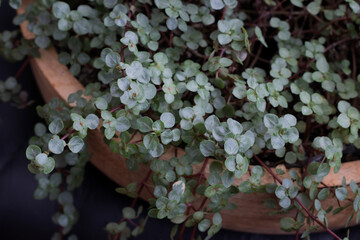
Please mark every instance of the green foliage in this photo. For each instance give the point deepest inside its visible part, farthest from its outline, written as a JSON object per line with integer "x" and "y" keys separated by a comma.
{"x": 220, "y": 79}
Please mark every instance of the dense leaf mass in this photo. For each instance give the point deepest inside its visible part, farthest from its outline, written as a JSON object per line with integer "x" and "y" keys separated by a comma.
{"x": 231, "y": 82}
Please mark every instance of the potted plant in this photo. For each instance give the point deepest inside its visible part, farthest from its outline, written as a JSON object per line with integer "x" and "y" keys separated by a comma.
{"x": 217, "y": 111}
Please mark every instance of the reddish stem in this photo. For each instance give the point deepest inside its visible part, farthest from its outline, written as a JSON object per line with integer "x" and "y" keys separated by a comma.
{"x": 201, "y": 174}
{"x": 183, "y": 225}
{"x": 170, "y": 39}
{"x": 297, "y": 199}
{"x": 22, "y": 67}
{"x": 117, "y": 108}
{"x": 68, "y": 134}
{"x": 142, "y": 184}
{"x": 193, "y": 233}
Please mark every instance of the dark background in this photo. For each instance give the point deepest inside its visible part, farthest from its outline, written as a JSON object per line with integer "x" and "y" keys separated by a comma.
{"x": 22, "y": 217}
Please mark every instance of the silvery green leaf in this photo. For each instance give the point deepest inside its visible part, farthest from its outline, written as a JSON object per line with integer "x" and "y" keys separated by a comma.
{"x": 217, "y": 4}
{"x": 353, "y": 113}
{"x": 63, "y": 220}
{"x": 112, "y": 59}
{"x": 211, "y": 123}
{"x": 231, "y": 146}
{"x": 261, "y": 104}
{"x": 132, "y": 37}
{"x": 158, "y": 126}
{"x": 92, "y": 121}
{"x": 167, "y": 136}
{"x": 204, "y": 225}
{"x": 86, "y": 11}
{"x": 128, "y": 213}
{"x": 75, "y": 69}
{"x": 160, "y": 191}
{"x": 260, "y": 36}
{"x": 176, "y": 134}
{"x": 42, "y": 41}
{"x": 277, "y": 142}
{"x": 64, "y": 58}
{"x": 234, "y": 126}
{"x": 355, "y": 7}
{"x": 161, "y": 58}
{"x": 219, "y": 133}
{"x": 134, "y": 70}
{"x": 150, "y": 92}
{"x": 341, "y": 193}
{"x": 290, "y": 157}
{"x": 230, "y": 163}
{"x": 171, "y": 23}
{"x": 314, "y": 7}
{"x": 306, "y": 110}
{"x": 323, "y": 194}
{"x": 60, "y": 9}
{"x": 274, "y": 22}
{"x": 293, "y": 191}
{"x": 297, "y": 3}
{"x": 202, "y": 79}
{"x": 110, "y": 3}
{"x": 56, "y": 126}
{"x": 270, "y": 120}
{"x": 285, "y": 202}
{"x": 290, "y": 135}
{"x": 288, "y": 120}
{"x": 123, "y": 84}
{"x": 328, "y": 85}
{"x": 82, "y": 26}
{"x": 32, "y": 151}
{"x": 246, "y": 141}
{"x": 224, "y": 39}
{"x": 158, "y": 151}
{"x": 343, "y": 106}
{"x": 168, "y": 119}
{"x": 207, "y": 148}
{"x": 227, "y": 178}
{"x": 305, "y": 97}
{"x": 56, "y": 145}
{"x": 192, "y": 86}
{"x": 323, "y": 170}
{"x": 162, "y": 4}
{"x": 144, "y": 124}
{"x": 49, "y": 165}
{"x": 239, "y": 91}
{"x": 83, "y": 58}
{"x": 343, "y": 120}
{"x": 15, "y": 4}
{"x": 41, "y": 159}
{"x": 225, "y": 62}
{"x": 122, "y": 124}
{"x": 10, "y": 83}
{"x": 109, "y": 133}
{"x": 101, "y": 103}
{"x": 217, "y": 219}
{"x": 280, "y": 152}
{"x": 76, "y": 144}
{"x": 280, "y": 192}
{"x": 287, "y": 183}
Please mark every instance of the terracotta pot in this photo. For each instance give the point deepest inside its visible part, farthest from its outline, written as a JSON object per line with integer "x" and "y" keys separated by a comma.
{"x": 55, "y": 80}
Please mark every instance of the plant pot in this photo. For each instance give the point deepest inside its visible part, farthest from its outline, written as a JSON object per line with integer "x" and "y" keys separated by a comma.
{"x": 55, "y": 80}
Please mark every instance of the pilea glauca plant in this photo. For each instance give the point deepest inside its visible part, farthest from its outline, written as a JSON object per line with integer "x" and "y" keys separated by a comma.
{"x": 242, "y": 86}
